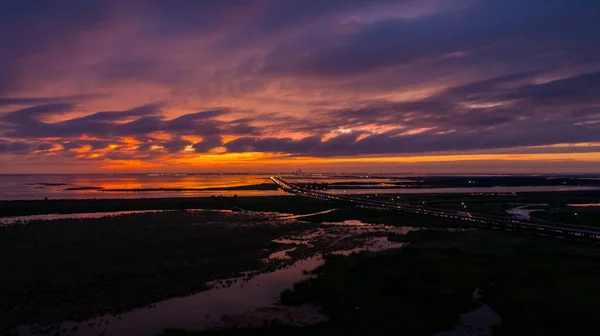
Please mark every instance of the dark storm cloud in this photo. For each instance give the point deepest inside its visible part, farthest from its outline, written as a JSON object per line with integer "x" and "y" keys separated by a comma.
{"x": 583, "y": 89}
{"x": 244, "y": 144}
{"x": 481, "y": 115}
{"x": 286, "y": 145}
{"x": 138, "y": 121}
{"x": 504, "y": 100}
{"x": 208, "y": 143}
{"x": 281, "y": 14}
{"x": 423, "y": 143}
{"x": 45, "y": 146}
{"x": 489, "y": 30}
{"x": 112, "y": 116}
{"x": 176, "y": 145}
{"x": 13, "y": 147}
{"x": 278, "y": 145}
{"x": 10, "y": 101}
{"x": 33, "y": 26}
{"x": 306, "y": 146}
{"x": 241, "y": 127}
{"x": 26, "y": 123}
{"x": 502, "y": 112}
{"x": 94, "y": 144}
{"x": 32, "y": 114}
{"x": 258, "y": 16}
{"x": 199, "y": 123}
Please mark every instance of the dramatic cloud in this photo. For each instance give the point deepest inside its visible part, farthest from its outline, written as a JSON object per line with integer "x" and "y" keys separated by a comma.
{"x": 13, "y": 147}
{"x": 180, "y": 83}
{"x": 209, "y": 142}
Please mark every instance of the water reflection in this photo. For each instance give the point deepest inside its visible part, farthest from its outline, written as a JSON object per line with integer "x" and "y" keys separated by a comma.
{"x": 249, "y": 300}
{"x": 17, "y": 219}
{"x": 477, "y": 322}
{"x": 85, "y": 215}
{"x": 375, "y": 244}
{"x": 200, "y": 311}
{"x": 279, "y": 255}
{"x": 24, "y": 187}
{"x": 291, "y": 216}
{"x": 523, "y": 210}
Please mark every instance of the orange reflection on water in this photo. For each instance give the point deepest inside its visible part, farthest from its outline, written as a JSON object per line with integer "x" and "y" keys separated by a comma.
{"x": 168, "y": 181}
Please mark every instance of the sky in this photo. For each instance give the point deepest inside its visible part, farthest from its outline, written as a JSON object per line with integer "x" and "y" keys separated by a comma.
{"x": 278, "y": 85}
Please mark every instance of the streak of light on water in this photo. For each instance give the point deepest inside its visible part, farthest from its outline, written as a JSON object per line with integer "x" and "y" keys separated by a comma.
{"x": 13, "y": 220}
{"x": 291, "y": 216}
{"x": 283, "y": 254}
{"x": 86, "y": 215}
{"x": 37, "y": 187}
{"x": 375, "y": 244}
{"x": 521, "y": 211}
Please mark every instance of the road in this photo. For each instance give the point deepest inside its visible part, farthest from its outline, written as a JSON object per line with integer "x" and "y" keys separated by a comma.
{"x": 484, "y": 220}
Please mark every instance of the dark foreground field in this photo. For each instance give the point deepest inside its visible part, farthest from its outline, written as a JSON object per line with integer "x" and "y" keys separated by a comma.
{"x": 553, "y": 206}
{"x": 285, "y": 204}
{"x": 76, "y": 269}
{"x": 570, "y": 207}
{"x": 537, "y": 285}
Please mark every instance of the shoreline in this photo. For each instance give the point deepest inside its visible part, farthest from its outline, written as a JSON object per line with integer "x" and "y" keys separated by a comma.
{"x": 279, "y": 202}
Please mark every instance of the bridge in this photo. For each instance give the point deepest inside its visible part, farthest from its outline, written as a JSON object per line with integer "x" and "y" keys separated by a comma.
{"x": 536, "y": 226}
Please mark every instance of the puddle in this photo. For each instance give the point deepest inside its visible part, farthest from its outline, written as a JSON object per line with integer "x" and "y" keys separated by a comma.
{"x": 523, "y": 211}
{"x": 373, "y": 245}
{"x": 291, "y": 216}
{"x": 478, "y": 322}
{"x": 290, "y": 241}
{"x": 367, "y": 227}
{"x": 280, "y": 255}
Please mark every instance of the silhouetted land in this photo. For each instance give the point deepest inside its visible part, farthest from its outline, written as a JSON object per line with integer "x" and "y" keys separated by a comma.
{"x": 75, "y": 269}
{"x": 483, "y": 203}
{"x": 553, "y": 206}
{"x": 538, "y": 286}
{"x": 84, "y": 188}
{"x": 283, "y": 204}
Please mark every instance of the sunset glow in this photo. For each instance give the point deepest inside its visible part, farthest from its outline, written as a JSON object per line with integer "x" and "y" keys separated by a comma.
{"x": 185, "y": 86}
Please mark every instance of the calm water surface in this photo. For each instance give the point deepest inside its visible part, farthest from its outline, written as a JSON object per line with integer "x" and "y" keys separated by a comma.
{"x": 28, "y": 187}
